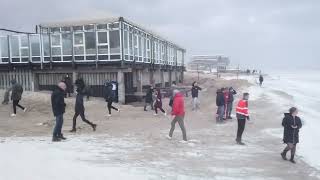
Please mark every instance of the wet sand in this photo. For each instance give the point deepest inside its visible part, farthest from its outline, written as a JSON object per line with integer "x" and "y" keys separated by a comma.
{"x": 135, "y": 139}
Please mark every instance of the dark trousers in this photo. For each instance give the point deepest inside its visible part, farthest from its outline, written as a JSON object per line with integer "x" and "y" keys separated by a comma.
{"x": 111, "y": 107}
{"x": 178, "y": 119}
{"x": 58, "y": 127}
{"x": 16, "y": 104}
{"x": 158, "y": 107}
{"x": 81, "y": 113}
{"x": 290, "y": 147}
{"x": 148, "y": 104}
{"x": 241, "y": 126}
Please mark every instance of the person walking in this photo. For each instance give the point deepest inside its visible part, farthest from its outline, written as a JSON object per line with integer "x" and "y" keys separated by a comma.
{"x": 242, "y": 117}
{"x": 58, "y": 109}
{"x": 291, "y": 124}
{"x": 79, "y": 110}
{"x": 232, "y": 92}
{"x": 178, "y": 113}
{"x": 261, "y": 80}
{"x": 148, "y": 99}
{"x": 195, "y": 93}
{"x": 109, "y": 98}
{"x": 68, "y": 82}
{"x": 226, "y": 100}
{"x": 220, "y": 105}
{"x": 16, "y": 95}
{"x": 158, "y": 103}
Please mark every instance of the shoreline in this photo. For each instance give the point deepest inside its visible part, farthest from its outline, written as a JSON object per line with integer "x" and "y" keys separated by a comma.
{"x": 139, "y": 142}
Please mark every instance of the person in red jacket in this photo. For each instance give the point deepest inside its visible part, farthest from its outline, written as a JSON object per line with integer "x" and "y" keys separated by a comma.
{"x": 178, "y": 112}
{"x": 242, "y": 116}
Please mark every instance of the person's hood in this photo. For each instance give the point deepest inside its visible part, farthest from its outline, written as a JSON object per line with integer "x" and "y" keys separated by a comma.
{"x": 287, "y": 115}
{"x": 57, "y": 88}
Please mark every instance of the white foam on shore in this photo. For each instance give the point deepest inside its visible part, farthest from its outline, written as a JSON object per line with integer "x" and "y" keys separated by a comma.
{"x": 298, "y": 89}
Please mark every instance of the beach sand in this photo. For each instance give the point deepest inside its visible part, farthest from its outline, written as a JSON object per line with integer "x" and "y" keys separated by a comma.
{"x": 132, "y": 144}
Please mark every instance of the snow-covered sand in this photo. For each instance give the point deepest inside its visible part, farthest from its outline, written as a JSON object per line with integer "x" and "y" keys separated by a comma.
{"x": 132, "y": 144}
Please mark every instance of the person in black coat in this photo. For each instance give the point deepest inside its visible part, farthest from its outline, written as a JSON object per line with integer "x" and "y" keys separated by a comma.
{"x": 68, "y": 82}
{"x": 149, "y": 99}
{"x": 220, "y": 102}
{"x": 58, "y": 108}
{"x": 291, "y": 124}
{"x": 79, "y": 110}
{"x": 16, "y": 95}
{"x": 260, "y": 80}
{"x": 109, "y": 98}
{"x": 195, "y": 96}
{"x": 232, "y": 92}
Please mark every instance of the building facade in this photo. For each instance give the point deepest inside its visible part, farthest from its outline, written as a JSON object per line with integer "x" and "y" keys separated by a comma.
{"x": 109, "y": 49}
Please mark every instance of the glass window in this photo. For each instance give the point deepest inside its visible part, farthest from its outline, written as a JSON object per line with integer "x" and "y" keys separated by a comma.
{"x": 56, "y": 51}
{"x": 89, "y": 27}
{"x": 35, "y": 45}
{"x": 46, "y": 45}
{"x": 24, "y": 41}
{"x": 55, "y": 40}
{"x": 67, "y": 44}
{"x": 102, "y": 26}
{"x": 103, "y": 49}
{"x": 15, "y": 51}
{"x": 25, "y": 52}
{"x": 79, "y": 50}
{"x": 66, "y": 29}
{"x": 130, "y": 43}
{"x": 78, "y": 39}
{"x": 125, "y": 42}
{"x": 90, "y": 42}
{"x": 4, "y": 47}
{"x": 55, "y": 29}
{"x": 114, "y": 25}
{"x": 77, "y": 28}
{"x": 114, "y": 42}
{"x": 136, "y": 45}
{"x": 102, "y": 37}
{"x": 140, "y": 46}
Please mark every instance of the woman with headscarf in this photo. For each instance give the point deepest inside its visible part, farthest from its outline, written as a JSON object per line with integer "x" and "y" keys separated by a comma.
{"x": 158, "y": 103}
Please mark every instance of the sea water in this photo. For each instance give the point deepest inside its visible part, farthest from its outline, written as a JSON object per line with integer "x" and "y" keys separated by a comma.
{"x": 298, "y": 88}
{"x": 304, "y": 88}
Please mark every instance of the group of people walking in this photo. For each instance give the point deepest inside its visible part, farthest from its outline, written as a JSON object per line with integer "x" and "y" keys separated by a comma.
{"x": 224, "y": 101}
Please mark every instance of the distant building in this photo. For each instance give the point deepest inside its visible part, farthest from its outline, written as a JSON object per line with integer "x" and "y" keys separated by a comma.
{"x": 207, "y": 63}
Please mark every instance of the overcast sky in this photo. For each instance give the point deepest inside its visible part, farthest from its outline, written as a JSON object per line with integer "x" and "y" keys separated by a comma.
{"x": 255, "y": 33}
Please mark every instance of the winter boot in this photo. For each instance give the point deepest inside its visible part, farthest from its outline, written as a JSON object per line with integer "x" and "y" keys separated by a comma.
{"x": 94, "y": 127}
{"x": 55, "y": 139}
{"x": 62, "y": 137}
{"x": 292, "y": 159}
{"x": 284, "y": 155}
{"x": 73, "y": 130}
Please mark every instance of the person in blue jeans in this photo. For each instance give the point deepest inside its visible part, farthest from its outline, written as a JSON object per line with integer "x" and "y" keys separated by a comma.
{"x": 58, "y": 108}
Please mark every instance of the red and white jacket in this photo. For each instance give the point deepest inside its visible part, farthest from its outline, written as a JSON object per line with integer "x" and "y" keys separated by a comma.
{"x": 242, "y": 109}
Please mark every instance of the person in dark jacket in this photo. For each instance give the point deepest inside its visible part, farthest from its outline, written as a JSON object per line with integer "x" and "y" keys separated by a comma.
{"x": 173, "y": 88}
{"x": 291, "y": 124}
{"x": 79, "y": 110}
{"x": 58, "y": 108}
{"x": 109, "y": 98}
{"x": 260, "y": 79}
{"x": 158, "y": 103}
{"x": 68, "y": 82}
{"x": 149, "y": 99}
{"x": 220, "y": 105}
{"x": 195, "y": 96}
{"x": 231, "y": 92}
{"x": 16, "y": 95}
